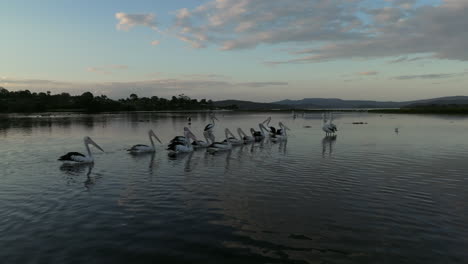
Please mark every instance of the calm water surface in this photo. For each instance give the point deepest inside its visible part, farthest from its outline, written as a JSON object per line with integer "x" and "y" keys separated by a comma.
{"x": 369, "y": 196}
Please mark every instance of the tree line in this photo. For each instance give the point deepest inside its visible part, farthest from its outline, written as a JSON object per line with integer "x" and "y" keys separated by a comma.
{"x": 26, "y": 101}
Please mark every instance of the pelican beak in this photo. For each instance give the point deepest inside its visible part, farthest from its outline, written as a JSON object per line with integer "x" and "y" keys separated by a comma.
{"x": 95, "y": 144}
{"x": 154, "y": 135}
{"x": 192, "y": 136}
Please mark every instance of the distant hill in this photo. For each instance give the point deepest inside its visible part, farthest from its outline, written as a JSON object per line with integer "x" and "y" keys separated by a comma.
{"x": 247, "y": 105}
{"x": 319, "y": 103}
{"x": 339, "y": 103}
{"x": 452, "y": 100}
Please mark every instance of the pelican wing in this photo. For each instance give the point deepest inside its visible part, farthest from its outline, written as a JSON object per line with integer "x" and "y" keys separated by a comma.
{"x": 137, "y": 147}
{"x": 209, "y": 127}
{"x": 71, "y": 156}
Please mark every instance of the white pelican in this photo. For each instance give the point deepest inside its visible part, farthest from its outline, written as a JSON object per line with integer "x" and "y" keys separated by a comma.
{"x": 81, "y": 158}
{"x": 280, "y": 133}
{"x": 232, "y": 139}
{"x": 181, "y": 144}
{"x": 210, "y": 126}
{"x": 244, "y": 137}
{"x": 140, "y": 148}
{"x": 332, "y": 126}
{"x": 225, "y": 145}
{"x": 326, "y": 126}
{"x": 203, "y": 144}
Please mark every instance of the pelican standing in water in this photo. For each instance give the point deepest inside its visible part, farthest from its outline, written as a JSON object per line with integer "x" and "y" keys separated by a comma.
{"x": 225, "y": 145}
{"x": 76, "y": 157}
{"x": 210, "y": 126}
{"x": 181, "y": 144}
{"x": 332, "y": 126}
{"x": 140, "y": 148}
{"x": 326, "y": 126}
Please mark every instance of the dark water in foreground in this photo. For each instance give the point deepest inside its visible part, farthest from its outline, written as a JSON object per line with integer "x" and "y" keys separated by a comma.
{"x": 370, "y": 196}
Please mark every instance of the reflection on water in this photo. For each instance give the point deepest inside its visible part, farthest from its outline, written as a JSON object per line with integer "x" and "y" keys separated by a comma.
{"x": 328, "y": 143}
{"x": 373, "y": 196}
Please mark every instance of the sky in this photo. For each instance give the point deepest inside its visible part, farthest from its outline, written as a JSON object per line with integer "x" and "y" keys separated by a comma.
{"x": 258, "y": 50}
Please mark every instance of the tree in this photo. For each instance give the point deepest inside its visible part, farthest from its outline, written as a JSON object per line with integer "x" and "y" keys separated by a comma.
{"x": 134, "y": 97}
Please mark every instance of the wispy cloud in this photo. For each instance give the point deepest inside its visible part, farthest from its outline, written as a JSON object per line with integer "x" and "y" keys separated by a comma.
{"x": 430, "y": 76}
{"x": 128, "y": 21}
{"x": 99, "y": 70}
{"x": 107, "y": 69}
{"x": 333, "y": 29}
{"x": 368, "y": 73}
{"x": 155, "y": 42}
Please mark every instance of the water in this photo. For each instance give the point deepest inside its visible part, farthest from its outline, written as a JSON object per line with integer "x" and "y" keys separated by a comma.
{"x": 369, "y": 196}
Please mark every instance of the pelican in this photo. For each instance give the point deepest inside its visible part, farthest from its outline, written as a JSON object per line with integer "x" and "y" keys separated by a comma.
{"x": 244, "y": 136}
{"x": 280, "y": 133}
{"x": 203, "y": 144}
{"x": 260, "y": 135}
{"x": 140, "y": 148}
{"x": 332, "y": 126}
{"x": 210, "y": 126}
{"x": 326, "y": 126}
{"x": 181, "y": 144}
{"x": 81, "y": 158}
{"x": 225, "y": 145}
{"x": 232, "y": 139}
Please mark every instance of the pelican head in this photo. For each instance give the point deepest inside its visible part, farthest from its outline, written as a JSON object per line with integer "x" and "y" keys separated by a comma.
{"x": 88, "y": 140}
{"x": 282, "y": 125}
{"x": 189, "y": 134}
{"x": 152, "y": 134}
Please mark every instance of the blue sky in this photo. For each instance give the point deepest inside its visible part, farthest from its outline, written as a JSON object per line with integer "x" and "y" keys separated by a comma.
{"x": 237, "y": 49}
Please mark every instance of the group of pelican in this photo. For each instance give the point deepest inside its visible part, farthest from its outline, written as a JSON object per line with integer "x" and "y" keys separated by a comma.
{"x": 188, "y": 142}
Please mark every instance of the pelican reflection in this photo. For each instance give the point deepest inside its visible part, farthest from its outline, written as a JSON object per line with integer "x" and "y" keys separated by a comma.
{"x": 327, "y": 143}
{"x": 77, "y": 169}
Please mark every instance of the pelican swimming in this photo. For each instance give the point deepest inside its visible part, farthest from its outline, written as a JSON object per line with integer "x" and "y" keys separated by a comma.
{"x": 209, "y": 138}
{"x": 225, "y": 145}
{"x": 280, "y": 133}
{"x": 244, "y": 137}
{"x": 232, "y": 139}
{"x": 326, "y": 126}
{"x": 181, "y": 144}
{"x": 210, "y": 126}
{"x": 140, "y": 148}
{"x": 81, "y": 158}
{"x": 260, "y": 135}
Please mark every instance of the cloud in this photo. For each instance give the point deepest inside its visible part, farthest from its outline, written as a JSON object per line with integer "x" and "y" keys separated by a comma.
{"x": 325, "y": 29}
{"x": 107, "y": 69}
{"x": 155, "y": 42}
{"x": 128, "y": 21}
{"x": 240, "y": 24}
{"x": 410, "y": 59}
{"x": 99, "y": 70}
{"x": 430, "y": 76}
{"x": 119, "y": 66}
{"x": 368, "y": 73}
